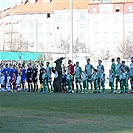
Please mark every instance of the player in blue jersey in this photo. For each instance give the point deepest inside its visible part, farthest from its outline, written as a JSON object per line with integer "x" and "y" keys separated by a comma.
{"x": 23, "y": 77}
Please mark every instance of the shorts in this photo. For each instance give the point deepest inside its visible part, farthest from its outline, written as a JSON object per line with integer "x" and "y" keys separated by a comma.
{"x": 34, "y": 80}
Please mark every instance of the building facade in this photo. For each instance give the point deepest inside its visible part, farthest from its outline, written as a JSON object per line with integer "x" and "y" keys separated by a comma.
{"x": 41, "y": 25}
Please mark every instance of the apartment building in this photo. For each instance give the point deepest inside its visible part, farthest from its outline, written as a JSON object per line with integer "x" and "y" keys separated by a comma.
{"x": 110, "y": 23}
{"x": 44, "y": 23}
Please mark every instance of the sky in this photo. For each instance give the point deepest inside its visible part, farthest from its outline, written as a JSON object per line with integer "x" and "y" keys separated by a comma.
{"x": 4, "y": 3}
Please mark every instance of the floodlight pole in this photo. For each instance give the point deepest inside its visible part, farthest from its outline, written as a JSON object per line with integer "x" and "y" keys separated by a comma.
{"x": 132, "y": 44}
{"x": 71, "y": 30}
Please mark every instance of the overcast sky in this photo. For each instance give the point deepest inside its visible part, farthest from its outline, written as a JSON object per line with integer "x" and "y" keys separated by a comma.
{"x": 4, "y": 3}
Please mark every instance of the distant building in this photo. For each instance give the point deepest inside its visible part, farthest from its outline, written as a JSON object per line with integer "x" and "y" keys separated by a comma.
{"x": 44, "y": 23}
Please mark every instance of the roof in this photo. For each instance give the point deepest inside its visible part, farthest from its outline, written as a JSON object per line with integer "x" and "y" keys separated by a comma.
{"x": 41, "y": 7}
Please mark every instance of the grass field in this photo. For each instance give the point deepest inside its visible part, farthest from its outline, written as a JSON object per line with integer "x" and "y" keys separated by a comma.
{"x": 66, "y": 113}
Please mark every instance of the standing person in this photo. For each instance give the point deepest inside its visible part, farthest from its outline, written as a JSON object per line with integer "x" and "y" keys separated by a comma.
{"x": 113, "y": 65}
{"x": 40, "y": 76}
{"x": 71, "y": 69}
{"x": 88, "y": 70}
{"x": 131, "y": 74}
{"x": 100, "y": 67}
{"x": 118, "y": 73}
{"x": 29, "y": 78}
{"x": 8, "y": 83}
{"x": 124, "y": 81}
{"x": 23, "y": 77}
{"x": 63, "y": 82}
{"x": 2, "y": 79}
{"x": 45, "y": 81}
{"x": 14, "y": 81}
{"x": 125, "y": 67}
{"x": 85, "y": 82}
{"x": 78, "y": 73}
{"x": 35, "y": 77}
{"x": 111, "y": 80}
{"x": 6, "y": 71}
{"x": 102, "y": 81}
{"x": 95, "y": 80}
{"x": 18, "y": 82}
{"x": 69, "y": 79}
{"x": 49, "y": 73}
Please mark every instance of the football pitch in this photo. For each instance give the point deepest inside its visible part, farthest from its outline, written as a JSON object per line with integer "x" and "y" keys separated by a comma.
{"x": 65, "y": 113}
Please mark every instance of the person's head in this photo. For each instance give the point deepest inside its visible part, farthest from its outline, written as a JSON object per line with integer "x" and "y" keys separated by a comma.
{"x": 88, "y": 61}
{"x": 113, "y": 60}
{"x": 18, "y": 74}
{"x": 69, "y": 61}
{"x": 99, "y": 62}
{"x": 6, "y": 65}
{"x": 132, "y": 59}
{"x": 123, "y": 63}
{"x": 77, "y": 63}
{"x": 14, "y": 66}
{"x": 110, "y": 71}
{"x": 118, "y": 59}
{"x": 47, "y": 63}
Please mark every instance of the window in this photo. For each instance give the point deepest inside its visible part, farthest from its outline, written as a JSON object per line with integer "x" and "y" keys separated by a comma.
{"x": 96, "y": 29}
{"x": 96, "y": 19}
{"x": 130, "y": 9}
{"x": 82, "y": 37}
{"x": 105, "y": 19}
{"x": 96, "y": 40}
{"x": 59, "y": 27}
{"x": 22, "y": 26}
{"x": 31, "y": 25}
{"x": 105, "y": 29}
{"x": 105, "y": 9}
{"x": 48, "y": 15}
{"x": 49, "y": 25}
{"x": 23, "y": 16}
{"x": 59, "y": 17}
{"x": 39, "y": 25}
{"x": 130, "y": 29}
{"x": 106, "y": 40}
{"x": 49, "y": 35}
{"x": 94, "y": 10}
{"x": 115, "y": 40}
{"x": 40, "y": 16}
{"x": 31, "y": 35}
{"x": 130, "y": 18}
{"x": 82, "y": 26}
{"x": 32, "y": 16}
{"x": 82, "y": 16}
{"x": 40, "y": 35}
{"x": 117, "y": 9}
{"x": 40, "y": 45}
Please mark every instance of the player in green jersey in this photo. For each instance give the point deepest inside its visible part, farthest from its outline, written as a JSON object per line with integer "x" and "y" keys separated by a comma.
{"x": 77, "y": 74}
{"x": 88, "y": 71}
{"x": 100, "y": 67}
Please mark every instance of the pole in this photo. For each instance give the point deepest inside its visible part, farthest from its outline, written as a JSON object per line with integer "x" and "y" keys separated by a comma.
{"x": 132, "y": 44}
{"x": 71, "y": 30}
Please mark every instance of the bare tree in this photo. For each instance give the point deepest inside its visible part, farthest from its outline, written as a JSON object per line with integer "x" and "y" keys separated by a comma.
{"x": 104, "y": 54}
{"x": 14, "y": 41}
{"x": 125, "y": 48}
{"x": 78, "y": 47}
